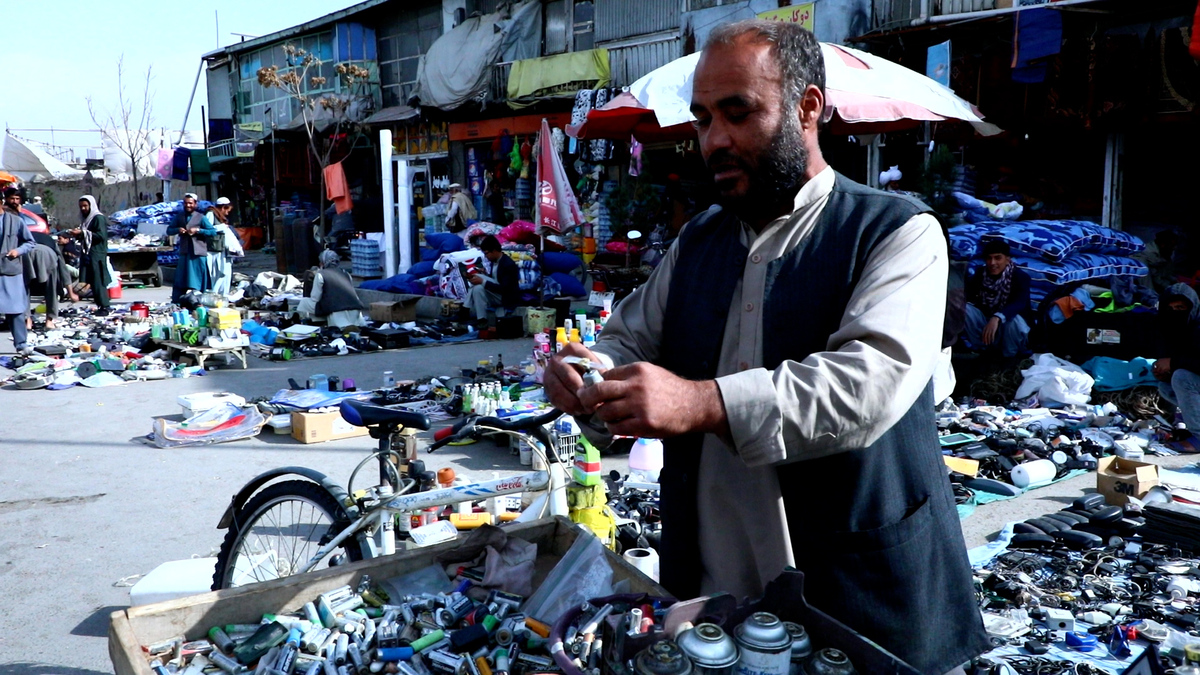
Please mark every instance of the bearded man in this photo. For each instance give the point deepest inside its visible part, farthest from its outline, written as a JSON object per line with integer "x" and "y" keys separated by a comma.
{"x": 784, "y": 350}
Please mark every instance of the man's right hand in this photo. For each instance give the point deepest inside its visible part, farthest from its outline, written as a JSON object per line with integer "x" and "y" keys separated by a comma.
{"x": 563, "y": 381}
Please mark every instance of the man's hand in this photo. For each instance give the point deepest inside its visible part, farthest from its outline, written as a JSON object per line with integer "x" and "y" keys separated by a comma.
{"x": 183, "y": 230}
{"x": 1162, "y": 369}
{"x": 990, "y": 330}
{"x": 12, "y": 254}
{"x": 645, "y": 400}
{"x": 563, "y": 382}
{"x": 475, "y": 280}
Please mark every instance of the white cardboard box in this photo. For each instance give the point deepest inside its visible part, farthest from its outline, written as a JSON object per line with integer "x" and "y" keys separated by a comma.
{"x": 194, "y": 404}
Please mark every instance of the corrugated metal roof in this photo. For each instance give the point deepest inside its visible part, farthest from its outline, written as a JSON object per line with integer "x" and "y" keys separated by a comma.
{"x": 298, "y": 29}
{"x": 617, "y": 19}
{"x": 632, "y": 62}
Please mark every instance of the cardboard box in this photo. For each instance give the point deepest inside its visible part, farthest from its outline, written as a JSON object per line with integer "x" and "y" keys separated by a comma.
{"x": 1118, "y": 479}
{"x": 132, "y": 627}
{"x": 310, "y": 427}
{"x": 401, "y": 311}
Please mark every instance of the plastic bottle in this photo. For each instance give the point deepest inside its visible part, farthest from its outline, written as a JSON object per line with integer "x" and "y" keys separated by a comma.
{"x": 389, "y": 380}
{"x": 646, "y": 459}
{"x": 560, "y": 339}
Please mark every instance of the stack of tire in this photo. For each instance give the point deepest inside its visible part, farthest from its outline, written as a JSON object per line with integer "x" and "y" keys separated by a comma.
{"x": 1088, "y": 523}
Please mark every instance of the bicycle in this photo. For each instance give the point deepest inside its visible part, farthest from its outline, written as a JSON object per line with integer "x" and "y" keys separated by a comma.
{"x": 273, "y": 529}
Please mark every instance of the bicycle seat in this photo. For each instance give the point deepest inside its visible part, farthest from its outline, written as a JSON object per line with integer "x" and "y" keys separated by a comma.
{"x": 366, "y": 415}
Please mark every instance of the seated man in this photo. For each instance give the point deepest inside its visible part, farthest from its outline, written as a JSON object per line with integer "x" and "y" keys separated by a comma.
{"x": 1179, "y": 368}
{"x": 329, "y": 294}
{"x": 498, "y": 286}
{"x": 998, "y": 303}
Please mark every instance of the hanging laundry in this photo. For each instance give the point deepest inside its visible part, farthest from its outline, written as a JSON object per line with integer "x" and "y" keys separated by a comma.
{"x": 336, "y": 189}
{"x": 601, "y": 150}
{"x": 201, "y": 171}
{"x": 179, "y": 164}
{"x": 164, "y": 164}
{"x": 583, "y": 105}
{"x": 1037, "y": 36}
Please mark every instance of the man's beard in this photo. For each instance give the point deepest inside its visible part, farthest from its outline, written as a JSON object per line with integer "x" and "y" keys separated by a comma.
{"x": 780, "y": 173}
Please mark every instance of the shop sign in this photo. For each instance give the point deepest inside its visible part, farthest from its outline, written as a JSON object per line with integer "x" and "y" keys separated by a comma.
{"x": 801, "y": 14}
{"x": 246, "y": 137}
{"x": 422, "y": 139}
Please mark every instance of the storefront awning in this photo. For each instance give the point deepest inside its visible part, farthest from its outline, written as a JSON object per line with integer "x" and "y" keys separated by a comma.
{"x": 396, "y": 113}
{"x": 557, "y": 76}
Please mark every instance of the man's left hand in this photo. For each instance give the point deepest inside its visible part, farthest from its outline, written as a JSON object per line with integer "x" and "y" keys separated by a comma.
{"x": 13, "y": 254}
{"x": 475, "y": 280}
{"x": 645, "y": 400}
{"x": 990, "y": 330}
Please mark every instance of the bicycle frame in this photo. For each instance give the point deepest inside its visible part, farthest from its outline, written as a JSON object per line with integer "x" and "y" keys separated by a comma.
{"x": 384, "y": 543}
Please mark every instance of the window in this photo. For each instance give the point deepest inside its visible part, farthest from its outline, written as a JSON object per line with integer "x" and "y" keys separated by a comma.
{"x": 583, "y": 26}
{"x": 693, "y": 5}
{"x": 407, "y": 36}
{"x": 253, "y": 100}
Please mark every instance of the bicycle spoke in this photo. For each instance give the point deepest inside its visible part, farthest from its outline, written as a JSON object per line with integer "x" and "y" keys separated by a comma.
{"x": 283, "y": 532}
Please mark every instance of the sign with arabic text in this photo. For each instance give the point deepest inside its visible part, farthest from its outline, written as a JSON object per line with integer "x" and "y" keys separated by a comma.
{"x": 801, "y": 14}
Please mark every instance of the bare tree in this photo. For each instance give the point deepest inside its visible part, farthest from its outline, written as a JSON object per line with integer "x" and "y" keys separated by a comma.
{"x": 128, "y": 125}
{"x": 328, "y": 111}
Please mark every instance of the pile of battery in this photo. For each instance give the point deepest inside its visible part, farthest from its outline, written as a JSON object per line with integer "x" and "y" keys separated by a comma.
{"x": 355, "y": 632}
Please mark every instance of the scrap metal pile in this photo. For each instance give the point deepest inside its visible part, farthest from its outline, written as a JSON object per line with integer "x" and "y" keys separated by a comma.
{"x": 1082, "y": 590}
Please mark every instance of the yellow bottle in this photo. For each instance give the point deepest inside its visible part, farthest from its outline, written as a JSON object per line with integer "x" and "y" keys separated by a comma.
{"x": 574, "y": 335}
{"x": 560, "y": 339}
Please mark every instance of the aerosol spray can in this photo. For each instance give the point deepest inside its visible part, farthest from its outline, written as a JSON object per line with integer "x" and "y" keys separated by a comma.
{"x": 662, "y": 658}
{"x": 765, "y": 644}
{"x": 829, "y": 662}
{"x": 801, "y": 647}
{"x": 711, "y": 650}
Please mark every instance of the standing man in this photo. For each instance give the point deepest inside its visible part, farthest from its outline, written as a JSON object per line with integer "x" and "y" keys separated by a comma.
{"x": 191, "y": 272}
{"x": 92, "y": 234}
{"x": 998, "y": 303}
{"x": 462, "y": 209}
{"x": 498, "y": 286}
{"x": 784, "y": 350}
{"x": 15, "y": 242}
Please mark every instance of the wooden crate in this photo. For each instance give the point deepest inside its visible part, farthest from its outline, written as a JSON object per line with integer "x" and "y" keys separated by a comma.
{"x": 191, "y": 617}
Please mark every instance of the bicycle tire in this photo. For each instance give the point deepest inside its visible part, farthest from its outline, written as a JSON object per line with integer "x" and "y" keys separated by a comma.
{"x": 253, "y": 512}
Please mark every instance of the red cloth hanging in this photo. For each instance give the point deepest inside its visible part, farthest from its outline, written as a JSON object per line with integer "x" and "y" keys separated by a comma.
{"x": 336, "y": 189}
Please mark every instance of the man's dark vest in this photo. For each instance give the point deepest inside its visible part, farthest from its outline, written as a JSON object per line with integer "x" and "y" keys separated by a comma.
{"x": 875, "y": 530}
{"x": 337, "y": 293}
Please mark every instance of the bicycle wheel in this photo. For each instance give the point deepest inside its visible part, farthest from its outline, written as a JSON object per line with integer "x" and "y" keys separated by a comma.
{"x": 276, "y": 533}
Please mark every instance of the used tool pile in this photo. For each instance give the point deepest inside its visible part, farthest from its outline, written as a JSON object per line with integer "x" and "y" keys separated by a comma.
{"x": 1084, "y": 589}
{"x": 1002, "y": 452}
{"x": 471, "y": 630}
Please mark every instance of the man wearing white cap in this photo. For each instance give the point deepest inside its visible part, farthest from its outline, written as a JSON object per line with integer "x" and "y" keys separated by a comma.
{"x": 223, "y": 246}
{"x": 461, "y": 209}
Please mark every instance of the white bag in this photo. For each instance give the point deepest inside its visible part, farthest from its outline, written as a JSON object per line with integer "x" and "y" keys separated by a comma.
{"x": 1056, "y": 381}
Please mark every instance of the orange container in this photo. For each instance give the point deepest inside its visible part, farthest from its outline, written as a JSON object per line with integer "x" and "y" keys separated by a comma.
{"x": 114, "y": 293}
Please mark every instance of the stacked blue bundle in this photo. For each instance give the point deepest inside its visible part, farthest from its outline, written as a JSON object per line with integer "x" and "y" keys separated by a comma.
{"x": 364, "y": 258}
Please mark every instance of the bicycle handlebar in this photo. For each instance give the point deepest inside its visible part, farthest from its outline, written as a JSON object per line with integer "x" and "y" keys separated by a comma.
{"x": 468, "y": 426}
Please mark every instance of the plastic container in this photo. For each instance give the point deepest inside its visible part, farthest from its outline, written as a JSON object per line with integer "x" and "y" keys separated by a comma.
{"x": 114, "y": 292}
{"x": 171, "y": 580}
{"x": 646, "y": 459}
{"x": 320, "y": 382}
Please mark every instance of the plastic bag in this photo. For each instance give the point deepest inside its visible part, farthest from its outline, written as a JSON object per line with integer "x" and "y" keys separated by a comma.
{"x": 1056, "y": 381}
{"x": 431, "y": 580}
{"x": 223, "y": 423}
{"x": 582, "y": 574}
